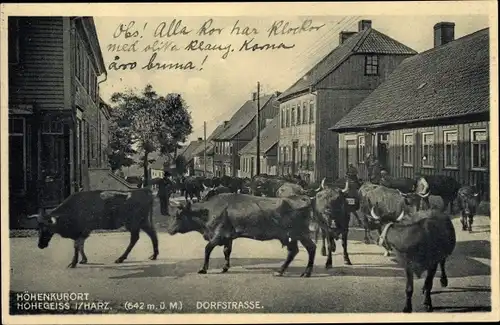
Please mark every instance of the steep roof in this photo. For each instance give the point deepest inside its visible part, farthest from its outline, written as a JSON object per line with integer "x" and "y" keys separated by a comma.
{"x": 268, "y": 138}
{"x": 451, "y": 80}
{"x": 366, "y": 41}
{"x": 188, "y": 152}
{"x": 210, "y": 144}
{"x": 244, "y": 116}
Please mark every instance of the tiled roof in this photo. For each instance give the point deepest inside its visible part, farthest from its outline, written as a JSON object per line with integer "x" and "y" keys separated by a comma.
{"x": 448, "y": 81}
{"x": 268, "y": 138}
{"x": 210, "y": 144}
{"x": 366, "y": 41}
{"x": 244, "y": 116}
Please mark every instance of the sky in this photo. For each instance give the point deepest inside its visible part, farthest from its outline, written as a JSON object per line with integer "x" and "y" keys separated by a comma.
{"x": 218, "y": 85}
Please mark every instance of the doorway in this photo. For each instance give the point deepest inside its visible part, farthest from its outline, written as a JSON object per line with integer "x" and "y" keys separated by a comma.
{"x": 383, "y": 150}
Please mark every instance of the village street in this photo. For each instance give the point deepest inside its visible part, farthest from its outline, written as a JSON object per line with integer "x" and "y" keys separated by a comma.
{"x": 372, "y": 284}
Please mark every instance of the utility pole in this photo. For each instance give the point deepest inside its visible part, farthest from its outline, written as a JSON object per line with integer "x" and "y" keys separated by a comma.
{"x": 205, "y": 151}
{"x": 257, "y": 172}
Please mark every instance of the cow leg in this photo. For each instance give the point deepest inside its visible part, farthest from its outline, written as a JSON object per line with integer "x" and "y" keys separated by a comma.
{"x": 347, "y": 261}
{"x": 134, "y": 237}
{"x": 148, "y": 229}
{"x": 409, "y": 290}
{"x": 311, "y": 250}
{"x": 444, "y": 278}
{"x": 208, "y": 250}
{"x": 358, "y": 219}
{"x": 74, "y": 261}
{"x": 293, "y": 250}
{"x": 331, "y": 248}
{"x": 323, "y": 245}
{"x": 228, "y": 246}
{"x": 463, "y": 220}
{"x": 428, "y": 287}
{"x": 81, "y": 244}
{"x": 469, "y": 226}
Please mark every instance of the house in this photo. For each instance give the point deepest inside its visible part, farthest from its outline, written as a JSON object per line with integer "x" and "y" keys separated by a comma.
{"x": 200, "y": 155}
{"x": 54, "y": 109}
{"x": 239, "y": 131}
{"x": 189, "y": 154}
{"x": 430, "y": 116}
{"x": 335, "y": 85}
{"x": 268, "y": 151}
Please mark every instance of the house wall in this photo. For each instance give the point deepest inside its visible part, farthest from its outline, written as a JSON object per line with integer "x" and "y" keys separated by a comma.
{"x": 304, "y": 134}
{"x": 463, "y": 172}
{"x": 333, "y": 97}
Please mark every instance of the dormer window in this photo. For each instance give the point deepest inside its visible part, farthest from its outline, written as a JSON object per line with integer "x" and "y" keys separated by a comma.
{"x": 371, "y": 65}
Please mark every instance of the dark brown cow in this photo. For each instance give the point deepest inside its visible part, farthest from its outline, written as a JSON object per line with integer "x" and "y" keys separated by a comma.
{"x": 421, "y": 243}
{"x": 333, "y": 219}
{"x": 225, "y": 217}
{"x": 439, "y": 185}
{"x": 83, "y": 212}
{"x": 468, "y": 202}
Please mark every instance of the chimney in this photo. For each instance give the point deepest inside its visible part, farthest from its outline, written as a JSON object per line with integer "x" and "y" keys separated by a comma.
{"x": 344, "y": 35}
{"x": 225, "y": 123}
{"x": 444, "y": 32}
{"x": 277, "y": 93}
{"x": 200, "y": 139}
{"x": 364, "y": 24}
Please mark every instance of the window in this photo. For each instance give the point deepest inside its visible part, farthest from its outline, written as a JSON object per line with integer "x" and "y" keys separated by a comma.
{"x": 371, "y": 65}
{"x": 54, "y": 126}
{"x": 304, "y": 113}
{"x": 282, "y": 155}
{"x": 311, "y": 112}
{"x": 283, "y": 118}
{"x": 287, "y": 115}
{"x": 17, "y": 155}
{"x": 450, "y": 149}
{"x": 230, "y": 144}
{"x": 479, "y": 148}
{"x": 428, "y": 149}
{"x": 408, "y": 149}
{"x": 298, "y": 114}
{"x": 293, "y": 115}
{"x": 361, "y": 148}
{"x": 13, "y": 40}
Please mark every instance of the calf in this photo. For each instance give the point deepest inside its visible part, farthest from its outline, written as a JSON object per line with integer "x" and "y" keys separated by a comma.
{"x": 83, "y": 212}
{"x": 420, "y": 245}
{"x": 468, "y": 201}
{"x": 228, "y": 216}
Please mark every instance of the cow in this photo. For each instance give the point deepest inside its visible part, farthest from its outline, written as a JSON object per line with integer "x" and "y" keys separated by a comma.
{"x": 404, "y": 184}
{"x": 193, "y": 186}
{"x": 468, "y": 201}
{"x": 215, "y": 191}
{"x": 427, "y": 238}
{"x": 82, "y": 212}
{"x": 440, "y": 185}
{"x": 228, "y": 216}
{"x": 332, "y": 217}
{"x": 391, "y": 202}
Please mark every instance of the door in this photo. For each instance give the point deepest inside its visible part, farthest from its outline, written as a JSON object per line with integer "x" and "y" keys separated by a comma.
{"x": 351, "y": 153}
{"x": 53, "y": 169}
{"x": 383, "y": 150}
{"x": 295, "y": 151}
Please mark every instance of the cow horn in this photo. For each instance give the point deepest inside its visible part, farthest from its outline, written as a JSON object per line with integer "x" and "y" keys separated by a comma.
{"x": 205, "y": 187}
{"x": 346, "y": 187}
{"x": 476, "y": 194}
{"x": 372, "y": 212}
{"x": 402, "y": 194}
{"x": 424, "y": 195}
{"x": 401, "y": 216}
{"x": 32, "y": 216}
{"x": 54, "y": 220}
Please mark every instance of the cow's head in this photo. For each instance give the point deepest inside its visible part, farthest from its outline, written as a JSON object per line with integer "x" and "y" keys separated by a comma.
{"x": 469, "y": 200}
{"x": 378, "y": 216}
{"x": 186, "y": 219}
{"x": 47, "y": 225}
{"x": 411, "y": 199}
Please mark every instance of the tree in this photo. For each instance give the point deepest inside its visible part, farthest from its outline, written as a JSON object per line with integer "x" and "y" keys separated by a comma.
{"x": 151, "y": 122}
{"x": 180, "y": 165}
{"x": 120, "y": 143}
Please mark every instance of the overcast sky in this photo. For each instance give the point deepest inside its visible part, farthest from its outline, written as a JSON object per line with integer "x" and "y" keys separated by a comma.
{"x": 216, "y": 91}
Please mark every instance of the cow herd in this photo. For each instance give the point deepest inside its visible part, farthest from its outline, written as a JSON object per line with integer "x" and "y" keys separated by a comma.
{"x": 285, "y": 209}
